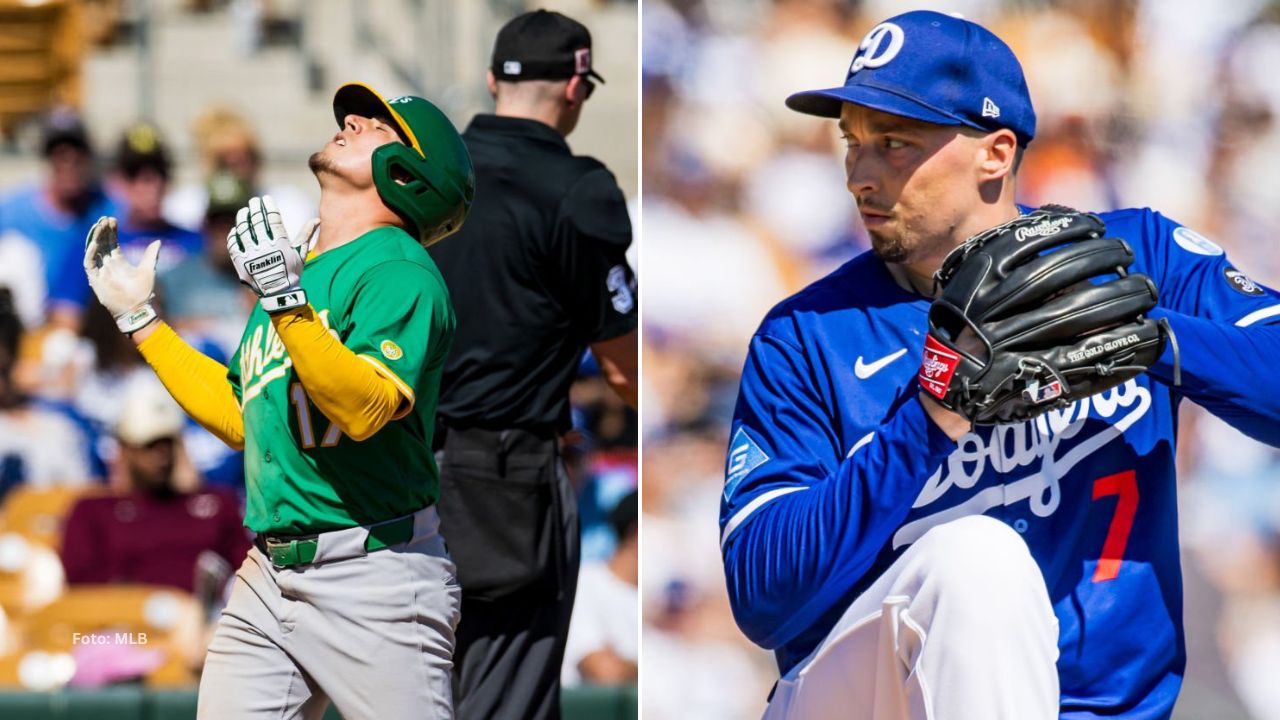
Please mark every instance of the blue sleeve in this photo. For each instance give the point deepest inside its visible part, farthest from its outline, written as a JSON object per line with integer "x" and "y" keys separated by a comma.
{"x": 1226, "y": 328}
{"x": 71, "y": 288}
{"x": 802, "y": 520}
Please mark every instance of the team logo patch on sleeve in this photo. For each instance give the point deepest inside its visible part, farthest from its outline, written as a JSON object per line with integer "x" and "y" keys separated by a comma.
{"x": 621, "y": 295}
{"x": 390, "y": 350}
{"x": 745, "y": 455}
{"x": 1194, "y": 242}
{"x": 1241, "y": 283}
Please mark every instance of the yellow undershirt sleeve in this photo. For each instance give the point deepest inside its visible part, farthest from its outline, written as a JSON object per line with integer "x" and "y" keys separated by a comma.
{"x": 198, "y": 382}
{"x": 355, "y": 392}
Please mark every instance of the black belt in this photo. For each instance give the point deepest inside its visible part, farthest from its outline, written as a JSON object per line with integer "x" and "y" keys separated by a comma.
{"x": 489, "y": 434}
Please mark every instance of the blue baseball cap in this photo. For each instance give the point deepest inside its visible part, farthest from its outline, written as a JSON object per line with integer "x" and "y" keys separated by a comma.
{"x": 936, "y": 68}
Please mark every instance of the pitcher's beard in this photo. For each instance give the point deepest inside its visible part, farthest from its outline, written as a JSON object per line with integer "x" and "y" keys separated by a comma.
{"x": 890, "y": 250}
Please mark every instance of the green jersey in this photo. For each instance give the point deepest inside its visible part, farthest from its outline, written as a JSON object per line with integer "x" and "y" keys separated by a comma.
{"x": 383, "y": 297}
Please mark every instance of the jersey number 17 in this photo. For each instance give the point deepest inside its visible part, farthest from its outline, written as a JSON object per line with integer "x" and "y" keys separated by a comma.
{"x": 298, "y": 396}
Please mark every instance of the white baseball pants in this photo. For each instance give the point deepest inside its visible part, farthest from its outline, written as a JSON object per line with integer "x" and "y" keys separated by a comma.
{"x": 371, "y": 632}
{"x": 960, "y": 627}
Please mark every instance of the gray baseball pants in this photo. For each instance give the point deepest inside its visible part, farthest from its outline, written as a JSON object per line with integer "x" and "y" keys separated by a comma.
{"x": 372, "y": 632}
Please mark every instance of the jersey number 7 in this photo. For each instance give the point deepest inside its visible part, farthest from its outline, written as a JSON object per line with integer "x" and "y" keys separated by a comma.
{"x": 1125, "y": 485}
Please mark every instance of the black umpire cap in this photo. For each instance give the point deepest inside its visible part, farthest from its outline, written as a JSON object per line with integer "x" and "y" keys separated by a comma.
{"x": 542, "y": 45}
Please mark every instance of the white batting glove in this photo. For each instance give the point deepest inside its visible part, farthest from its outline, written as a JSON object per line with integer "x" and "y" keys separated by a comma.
{"x": 265, "y": 259}
{"x": 124, "y": 290}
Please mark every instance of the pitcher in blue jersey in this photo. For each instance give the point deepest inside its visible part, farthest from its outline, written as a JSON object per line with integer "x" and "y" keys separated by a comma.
{"x": 901, "y": 563}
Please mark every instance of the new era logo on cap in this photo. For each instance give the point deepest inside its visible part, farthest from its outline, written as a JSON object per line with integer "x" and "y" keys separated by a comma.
{"x": 990, "y": 109}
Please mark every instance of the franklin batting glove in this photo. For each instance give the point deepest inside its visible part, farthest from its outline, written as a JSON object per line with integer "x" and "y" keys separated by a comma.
{"x": 265, "y": 259}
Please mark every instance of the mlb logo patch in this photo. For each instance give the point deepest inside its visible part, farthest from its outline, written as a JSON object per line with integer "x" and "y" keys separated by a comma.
{"x": 512, "y": 67}
{"x": 582, "y": 61}
{"x": 1039, "y": 395}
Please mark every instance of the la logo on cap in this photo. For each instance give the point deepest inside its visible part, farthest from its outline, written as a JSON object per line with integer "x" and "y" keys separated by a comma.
{"x": 874, "y": 51}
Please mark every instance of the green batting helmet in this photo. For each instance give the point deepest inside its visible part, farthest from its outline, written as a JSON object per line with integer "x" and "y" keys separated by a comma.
{"x": 428, "y": 181}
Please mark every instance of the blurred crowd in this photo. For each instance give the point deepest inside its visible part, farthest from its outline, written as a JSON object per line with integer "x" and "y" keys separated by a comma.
{"x": 146, "y": 496}
{"x": 106, "y": 485}
{"x": 1171, "y": 104}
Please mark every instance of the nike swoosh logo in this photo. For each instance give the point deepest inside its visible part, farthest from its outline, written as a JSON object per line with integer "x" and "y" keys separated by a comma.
{"x": 866, "y": 370}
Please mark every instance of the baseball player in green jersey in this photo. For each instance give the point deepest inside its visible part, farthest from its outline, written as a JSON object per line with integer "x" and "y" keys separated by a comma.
{"x": 348, "y": 595}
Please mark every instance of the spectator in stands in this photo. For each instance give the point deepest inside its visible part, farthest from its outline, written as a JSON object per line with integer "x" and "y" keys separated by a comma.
{"x": 151, "y": 532}
{"x": 604, "y": 635}
{"x": 208, "y": 306}
{"x": 56, "y": 214}
{"x": 202, "y": 293}
{"x": 142, "y": 171}
{"x": 228, "y": 144}
{"x": 38, "y": 447}
{"x": 115, "y": 370}
{"x": 22, "y": 272}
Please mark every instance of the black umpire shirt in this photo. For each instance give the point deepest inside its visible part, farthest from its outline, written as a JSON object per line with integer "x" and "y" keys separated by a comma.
{"x": 537, "y": 273}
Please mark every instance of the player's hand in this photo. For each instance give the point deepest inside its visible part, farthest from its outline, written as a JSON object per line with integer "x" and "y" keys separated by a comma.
{"x": 264, "y": 258}
{"x": 124, "y": 290}
{"x": 952, "y": 423}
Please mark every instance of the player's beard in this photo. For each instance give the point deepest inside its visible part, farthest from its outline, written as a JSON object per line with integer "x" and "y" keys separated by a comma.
{"x": 319, "y": 162}
{"x": 888, "y": 248}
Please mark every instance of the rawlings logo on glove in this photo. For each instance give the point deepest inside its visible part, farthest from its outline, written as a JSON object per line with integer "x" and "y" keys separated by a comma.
{"x": 937, "y": 368}
{"x": 1043, "y": 229}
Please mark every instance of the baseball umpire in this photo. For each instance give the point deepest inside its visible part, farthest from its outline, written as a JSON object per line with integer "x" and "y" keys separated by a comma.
{"x": 349, "y": 594}
{"x": 950, "y": 486}
{"x": 537, "y": 276}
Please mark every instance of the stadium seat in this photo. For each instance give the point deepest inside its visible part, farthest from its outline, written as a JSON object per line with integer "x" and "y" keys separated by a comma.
{"x": 31, "y": 575}
{"x": 169, "y": 619}
{"x": 38, "y": 514}
{"x": 40, "y": 54}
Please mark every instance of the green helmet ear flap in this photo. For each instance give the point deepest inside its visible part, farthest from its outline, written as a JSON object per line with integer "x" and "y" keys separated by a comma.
{"x": 429, "y": 180}
{"x": 432, "y": 203}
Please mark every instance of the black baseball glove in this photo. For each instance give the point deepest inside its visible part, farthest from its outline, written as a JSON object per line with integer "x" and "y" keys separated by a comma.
{"x": 1036, "y": 314}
